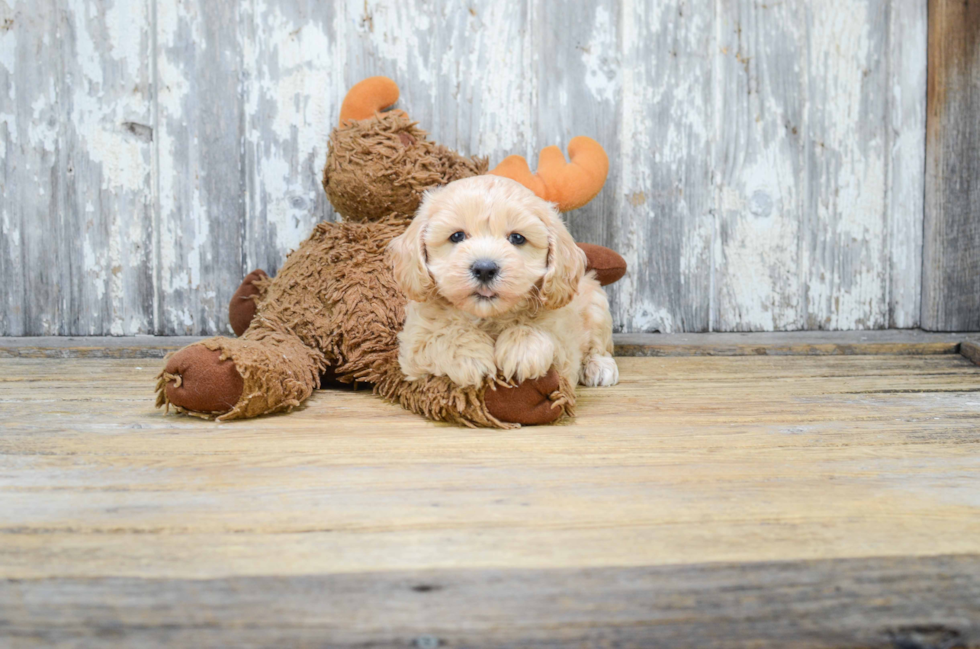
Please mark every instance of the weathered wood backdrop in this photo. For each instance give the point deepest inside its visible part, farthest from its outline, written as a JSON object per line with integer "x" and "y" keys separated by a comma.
{"x": 767, "y": 157}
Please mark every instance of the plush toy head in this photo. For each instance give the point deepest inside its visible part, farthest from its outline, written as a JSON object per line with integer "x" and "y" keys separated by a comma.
{"x": 379, "y": 164}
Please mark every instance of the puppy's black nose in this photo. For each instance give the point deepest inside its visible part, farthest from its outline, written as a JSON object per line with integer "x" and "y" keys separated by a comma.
{"x": 484, "y": 270}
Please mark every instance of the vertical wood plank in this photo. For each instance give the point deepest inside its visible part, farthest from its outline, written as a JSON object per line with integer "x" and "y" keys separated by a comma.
{"x": 906, "y": 88}
{"x": 658, "y": 200}
{"x": 761, "y": 169}
{"x": 107, "y": 151}
{"x": 293, "y": 58}
{"x": 77, "y": 208}
{"x": 819, "y": 189}
{"x": 30, "y": 199}
{"x": 200, "y": 164}
{"x": 844, "y": 254}
{"x": 951, "y": 244}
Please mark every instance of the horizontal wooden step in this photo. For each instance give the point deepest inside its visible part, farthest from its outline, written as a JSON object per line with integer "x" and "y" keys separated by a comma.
{"x": 795, "y": 343}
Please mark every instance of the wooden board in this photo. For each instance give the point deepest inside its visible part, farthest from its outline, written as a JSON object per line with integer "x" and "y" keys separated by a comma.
{"x": 971, "y": 351}
{"x": 800, "y": 343}
{"x": 928, "y": 603}
{"x": 817, "y": 145}
{"x": 76, "y": 147}
{"x": 801, "y": 501}
{"x": 766, "y": 158}
{"x": 951, "y": 252}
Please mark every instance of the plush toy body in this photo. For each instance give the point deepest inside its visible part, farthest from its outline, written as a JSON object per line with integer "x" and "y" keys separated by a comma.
{"x": 334, "y": 310}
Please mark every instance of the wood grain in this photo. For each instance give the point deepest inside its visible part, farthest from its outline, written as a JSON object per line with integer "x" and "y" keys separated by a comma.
{"x": 737, "y": 501}
{"x": 295, "y": 70}
{"x": 762, "y": 167}
{"x": 921, "y": 602}
{"x": 662, "y": 196}
{"x": 905, "y": 191}
{"x": 951, "y": 250}
{"x": 766, "y": 158}
{"x": 971, "y": 350}
{"x": 198, "y": 149}
{"x": 790, "y": 458}
{"x": 76, "y": 217}
{"x": 790, "y": 343}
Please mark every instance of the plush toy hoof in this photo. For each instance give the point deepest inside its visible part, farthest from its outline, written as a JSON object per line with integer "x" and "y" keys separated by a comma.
{"x": 242, "y": 307}
{"x": 202, "y": 381}
{"x": 609, "y": 265}
{"x": 527, "y": 404}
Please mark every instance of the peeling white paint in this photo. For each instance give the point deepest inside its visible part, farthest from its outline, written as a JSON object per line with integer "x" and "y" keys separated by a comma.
{"x": 634, "y": 169}
{"x": 744, "y": 149}
{"x": 847, "y": 291}
{"x": 126, "y": 25}
{"x": 906, "y": 186}
{"x": 650, "y": 319}
{"x": 42, "y": 129}
{"x": 8, "y": 52}
{"x": 603, "y": 69}
{"x": 289, "y": 70}
{"x": 396, "y": 32}
{"x": 495, "y": 64}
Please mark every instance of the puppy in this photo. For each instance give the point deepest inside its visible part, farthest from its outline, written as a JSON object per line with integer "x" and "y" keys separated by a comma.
{"x": 496, "y": 283}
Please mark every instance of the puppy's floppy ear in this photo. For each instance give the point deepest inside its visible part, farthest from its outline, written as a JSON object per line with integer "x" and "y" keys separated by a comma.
{"x": 407, "y": 256}
{"x": 566, "y": 263}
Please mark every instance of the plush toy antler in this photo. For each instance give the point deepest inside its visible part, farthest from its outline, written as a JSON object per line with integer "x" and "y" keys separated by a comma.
{"x": 569, "y": 184}
{"x": 367, "y": 98}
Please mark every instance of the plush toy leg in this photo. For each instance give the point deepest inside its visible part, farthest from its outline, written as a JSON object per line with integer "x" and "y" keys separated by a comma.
{"x": 243, "y": 303}
{"x": 492, "y": 405}
{"x": 229, "y": 378}
{"x": 197, "y": 379}
{"x": 609, "y": 266}
{"x": 532, "y": 402}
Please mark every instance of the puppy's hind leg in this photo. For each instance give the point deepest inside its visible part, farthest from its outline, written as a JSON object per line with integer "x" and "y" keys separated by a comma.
{"x": 599, "y": 368}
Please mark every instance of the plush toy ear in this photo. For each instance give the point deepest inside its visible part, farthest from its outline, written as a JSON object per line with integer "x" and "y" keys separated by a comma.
{"x": 569, "y": 185}
{"x": 368, "y": 97}
{"x": 566, "y": 264}
{"x": 408, "y": 259}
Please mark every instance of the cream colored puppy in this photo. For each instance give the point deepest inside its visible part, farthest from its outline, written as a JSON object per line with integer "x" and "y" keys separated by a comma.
{"x": 496, "y": 282}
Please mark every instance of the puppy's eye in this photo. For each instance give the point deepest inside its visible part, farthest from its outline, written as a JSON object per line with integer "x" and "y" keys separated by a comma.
{"x": 517, "y": 239}
{"x": 457, "y": 237}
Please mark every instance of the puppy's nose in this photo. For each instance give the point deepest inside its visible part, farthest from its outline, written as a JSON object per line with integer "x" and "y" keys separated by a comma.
{"x": 484, "y": 270}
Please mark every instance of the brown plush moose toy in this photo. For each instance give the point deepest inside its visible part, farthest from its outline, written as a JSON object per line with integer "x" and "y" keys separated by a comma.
{"x": 334, "y": 310}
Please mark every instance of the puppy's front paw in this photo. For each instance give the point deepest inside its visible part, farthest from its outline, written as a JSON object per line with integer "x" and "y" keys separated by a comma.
{"x": 469, "y": 370}
{"x": 524, "y": 353}
{"x": 600, "y": 371}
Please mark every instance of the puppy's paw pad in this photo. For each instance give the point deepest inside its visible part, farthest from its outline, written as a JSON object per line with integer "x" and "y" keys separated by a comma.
{"x": 600, "y": 371}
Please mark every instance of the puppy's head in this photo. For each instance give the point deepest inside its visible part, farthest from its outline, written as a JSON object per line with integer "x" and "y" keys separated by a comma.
{"x": 488, "y": 245}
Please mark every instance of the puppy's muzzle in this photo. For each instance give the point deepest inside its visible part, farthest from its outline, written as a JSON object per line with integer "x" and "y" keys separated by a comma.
{"x": 484, "y": 270}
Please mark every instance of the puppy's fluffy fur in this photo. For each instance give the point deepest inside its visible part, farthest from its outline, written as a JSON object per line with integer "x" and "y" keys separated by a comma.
{"x": 540, "y": 310}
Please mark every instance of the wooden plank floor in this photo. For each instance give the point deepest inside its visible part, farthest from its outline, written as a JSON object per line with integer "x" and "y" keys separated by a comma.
{"x": 724, "y": 501}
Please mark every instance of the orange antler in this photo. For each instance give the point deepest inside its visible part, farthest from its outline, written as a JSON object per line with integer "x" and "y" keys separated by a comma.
{"x": 569, "y": 184}
{"x": 367, "y": 97}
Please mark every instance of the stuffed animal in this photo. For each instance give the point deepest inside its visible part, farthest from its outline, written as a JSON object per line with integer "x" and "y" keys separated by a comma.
{"x": 334, "y": 311}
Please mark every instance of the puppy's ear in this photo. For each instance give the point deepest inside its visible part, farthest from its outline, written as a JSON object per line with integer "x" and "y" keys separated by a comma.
{"x": 566, "y": 264}
{"x": 407, "y": 256}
